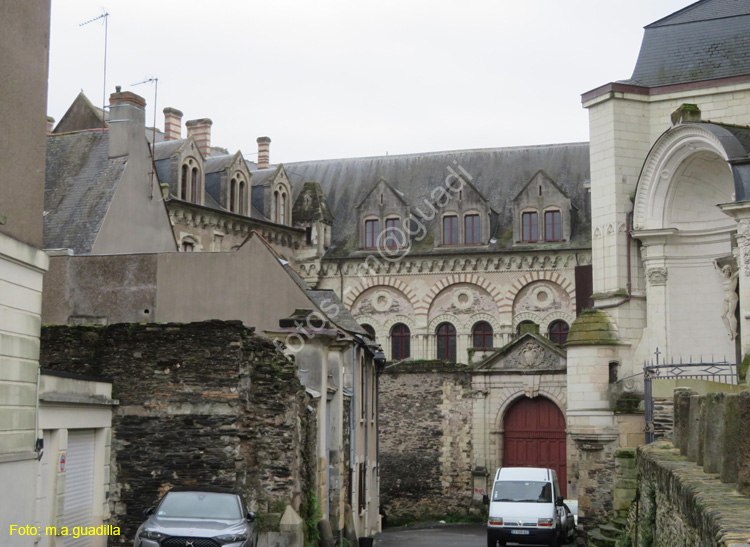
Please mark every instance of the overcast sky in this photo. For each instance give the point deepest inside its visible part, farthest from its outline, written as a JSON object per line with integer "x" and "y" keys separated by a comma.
{"x": 332, "y": 79}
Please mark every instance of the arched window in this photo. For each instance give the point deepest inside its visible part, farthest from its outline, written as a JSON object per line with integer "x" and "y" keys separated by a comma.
{"x": 558, "y": 332}
{"x": 194, "y": 186}
{"x": 481, "y": 335}
{"x": 242, "y": 200}
{"x": 472, "y": 230}
{"x": 369, "y": 329}
{"x": 450, "y": 230}
{"x": 530, "y": 227}
{"x": 282, "y": 209}
{"x": 400, "y": 342}
{"x": 446, "y": 342}
{"x": 275, "y": 210}
{"x": 552, "y": 226}
{"x": 232, "y": 194}
{"x": 184, "y": 183}
{"x": 372, "y": 231}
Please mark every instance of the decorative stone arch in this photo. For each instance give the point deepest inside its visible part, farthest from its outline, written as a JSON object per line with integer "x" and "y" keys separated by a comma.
{"x": 423, "y": 307}
{"x": 446, "y": 318}
{"x": 190, "y": 239}
{"x": 474, "y": 319}
{"x": 512, "y": 395}
{"x": 555, "y": 316}
{"x": 527, "y": 316}
{"x": 388, "y": 281}
{"x": 370, "y": 320}
{"x": 527, "y": 279}
{"x": 676, "y": 145}
{"x": 406, "y": 320}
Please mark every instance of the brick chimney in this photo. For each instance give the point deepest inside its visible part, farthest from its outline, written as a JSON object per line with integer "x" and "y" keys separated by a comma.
{"x": 172, "y": 124}
{"x": 200, "y": 130}
{"x": 50, "y": 124}
{"x": 264, "y": 152}
{"x": 127, "y": 117}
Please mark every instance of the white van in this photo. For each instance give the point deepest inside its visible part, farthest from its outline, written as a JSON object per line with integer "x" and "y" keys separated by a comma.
{"x": 526, "y": 507}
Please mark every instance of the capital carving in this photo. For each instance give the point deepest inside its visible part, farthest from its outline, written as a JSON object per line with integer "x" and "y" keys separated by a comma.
{"x": 657, "y": 276}
{"x": 743, "y": 241}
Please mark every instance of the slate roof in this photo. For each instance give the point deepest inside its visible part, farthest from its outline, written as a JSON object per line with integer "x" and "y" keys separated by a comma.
{"x": 330, "y": 304}
{"x": 498, "y": 173}
{"x": 80, "y": 182}
{"x": 704, "y": 41}
{"x": 316, "y": 210}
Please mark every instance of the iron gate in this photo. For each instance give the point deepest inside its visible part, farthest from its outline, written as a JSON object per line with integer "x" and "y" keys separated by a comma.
{"x": 716, "y": 371}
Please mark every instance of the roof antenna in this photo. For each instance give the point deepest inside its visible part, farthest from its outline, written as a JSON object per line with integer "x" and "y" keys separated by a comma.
{"x": 154, "y": 81}
{"x": 104, "y": 16}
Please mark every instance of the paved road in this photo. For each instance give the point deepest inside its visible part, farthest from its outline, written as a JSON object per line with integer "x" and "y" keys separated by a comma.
{"x": 434, "y": 535}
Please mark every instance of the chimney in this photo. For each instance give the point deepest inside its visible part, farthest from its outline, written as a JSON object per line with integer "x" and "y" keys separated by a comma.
{"x": 172, "y": 124}
{"x": 50, "y": 124}
{"x": 200, "y": 130}
{"x": 127, "y": 117}
{"x": 264, "y": 152}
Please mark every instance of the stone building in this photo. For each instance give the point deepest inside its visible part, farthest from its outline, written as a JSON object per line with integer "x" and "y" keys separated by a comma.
{"x": 24, "y": 39}
{"x": 670, "y": 186}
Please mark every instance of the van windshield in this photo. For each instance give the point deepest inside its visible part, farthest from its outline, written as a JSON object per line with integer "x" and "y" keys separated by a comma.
{"x": 522, "y": 491}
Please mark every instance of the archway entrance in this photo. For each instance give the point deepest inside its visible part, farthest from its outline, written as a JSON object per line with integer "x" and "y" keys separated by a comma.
{"x": 535, "y": 437}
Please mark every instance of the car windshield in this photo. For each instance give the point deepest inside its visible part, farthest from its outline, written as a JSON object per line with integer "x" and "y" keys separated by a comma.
{"x": 523, "y": 491}
{"x": 200, "y": 505}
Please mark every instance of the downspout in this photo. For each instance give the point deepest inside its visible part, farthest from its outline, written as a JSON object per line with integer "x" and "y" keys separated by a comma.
{"x": 352, "y": 426}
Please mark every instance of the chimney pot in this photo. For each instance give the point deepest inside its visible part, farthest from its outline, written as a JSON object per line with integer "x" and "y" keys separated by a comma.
{"x": 50, "y": 124}
{"x": 264, "y": 152}
{"x": 172, "y": 124}
{"x": 200, "y": 130}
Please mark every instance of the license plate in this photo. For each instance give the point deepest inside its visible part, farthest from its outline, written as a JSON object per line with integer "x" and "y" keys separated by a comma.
{"x": 520, "y": 532}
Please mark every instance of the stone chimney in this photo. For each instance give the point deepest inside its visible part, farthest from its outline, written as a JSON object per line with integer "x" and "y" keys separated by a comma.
{"x": 50, "y": 124}
{"x": 127, "y": 117}
{"x": 172, "y": 124}
{"x": 200, "y": 130}
{"x": 264, "y": 152}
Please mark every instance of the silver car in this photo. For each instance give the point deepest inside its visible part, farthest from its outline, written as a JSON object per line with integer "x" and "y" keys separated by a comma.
{"x": 198, "y": 517}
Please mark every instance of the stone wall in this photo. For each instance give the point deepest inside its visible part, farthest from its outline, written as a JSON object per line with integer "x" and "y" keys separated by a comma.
{"x": 696, "y": 491}
{"x": 425, "y": 441}
{"x": 200, "y": 404}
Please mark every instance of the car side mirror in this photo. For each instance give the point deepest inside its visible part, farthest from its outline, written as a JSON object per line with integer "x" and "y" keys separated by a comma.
{"x": 251, "y": 516}
{"x": 148, "y": 512}
{"x": 559, "y": 501}
{"x": 485, "y": 499}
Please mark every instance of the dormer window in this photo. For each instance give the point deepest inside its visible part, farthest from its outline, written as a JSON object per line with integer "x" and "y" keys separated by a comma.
{"x": 530, "y": 227}
{"x": 242, "y": 199}
{"x": 190, "y": 184}
{"x": 393, "y": 235}
{"x": 372, "y": 230}
{"x": 472, "y": 230}
{"x": 450, "y": 230}
{"x": 552, "y": 226}
{"x": 194, "y": 185}
{"x": 232, "y": 194}
{"x": 184, "y": 182}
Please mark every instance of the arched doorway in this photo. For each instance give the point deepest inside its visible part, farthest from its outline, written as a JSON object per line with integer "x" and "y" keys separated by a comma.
{"x": 535, "y": 437}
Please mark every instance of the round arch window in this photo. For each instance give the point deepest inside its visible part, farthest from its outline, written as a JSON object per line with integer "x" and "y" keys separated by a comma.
{"x": 558, "y": 332}
{"x": 481, "y": 335}
{"x": 446, "y": 342}
{"x": 400, "y": 342}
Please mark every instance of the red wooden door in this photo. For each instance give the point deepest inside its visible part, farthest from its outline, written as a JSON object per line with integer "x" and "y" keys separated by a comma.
{"x": 535, "y": 437}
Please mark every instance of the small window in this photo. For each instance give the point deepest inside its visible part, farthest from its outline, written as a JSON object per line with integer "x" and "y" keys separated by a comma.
{"x": 372, "y": 230}
{"x": 558, "y": 332}
{"x": 241, "y": 199}
{"x": 530, "y": 227}
{"x": 400, "y": 342}
{"x": 282, "y": 209}
{"x": 552, "y": 226}
{"x": 446, "y": 342}
{"x": 482, "y": 335}
{"x": 308, "y": 235}
{"x": 194, "y": 186}
{"x": 188, "y": 246}
{"x": 184, "y": 183}
{"x": 472, "y": 230}
{"x": 369, "y": 329}
{"x": 450, "y": 230}
{"x": 275, "y": 210}
{"x": 393, "y": 235}
{"x": 232, "y": 193}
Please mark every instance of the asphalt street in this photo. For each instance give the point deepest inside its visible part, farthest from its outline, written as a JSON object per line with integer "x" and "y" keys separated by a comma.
{"x": 434, "y": 535}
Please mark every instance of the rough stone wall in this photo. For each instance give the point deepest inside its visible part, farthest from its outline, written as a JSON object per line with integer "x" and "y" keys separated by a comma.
{"x": 425, "y": 441}
{"x": 200, "y": 404}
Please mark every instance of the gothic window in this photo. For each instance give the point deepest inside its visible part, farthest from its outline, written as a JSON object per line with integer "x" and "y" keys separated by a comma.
{"x": 400, "y": 342}
{"x": 232, "y": 193}
{"x": 552, "y": 226}
{"x": 194, "y": 186}
{"x": 372, "y": 229}
{"x": 530, "y": 227}
{"x": 184, "y": 183}
{"x": 446, "y": 342}
{"x": 472, "y": 230}
{"x": 450, "y": 230}
{"x": 558, "y": 332}
{"x": 393, "y": 235}
{"x": 275, "y": 210}
{"x": 481, "y": 335}
{"x": 242, "y": 199}
{"x": 369, "y": 329}
{"x": 282, "y": 209}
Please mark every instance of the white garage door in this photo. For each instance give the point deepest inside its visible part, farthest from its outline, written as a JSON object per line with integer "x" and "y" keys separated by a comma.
{"x": 79, "y": 485}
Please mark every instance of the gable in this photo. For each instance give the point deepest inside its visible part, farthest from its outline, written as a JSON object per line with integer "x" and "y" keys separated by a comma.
{"x": 529, "y": 353}
{"x": 81, "y": 115}
{"x": 382, "y": 187}
{"x": 540, "y": 185}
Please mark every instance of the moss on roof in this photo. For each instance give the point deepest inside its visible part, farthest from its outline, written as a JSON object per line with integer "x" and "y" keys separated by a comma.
{"x": 593, "y": 328}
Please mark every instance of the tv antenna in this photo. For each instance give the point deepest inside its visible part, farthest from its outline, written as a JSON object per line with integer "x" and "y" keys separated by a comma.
{"x": 104, "y": 16}
{"x": 154, "y": 81}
